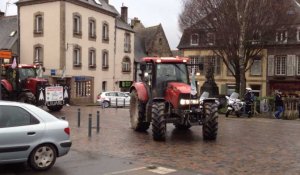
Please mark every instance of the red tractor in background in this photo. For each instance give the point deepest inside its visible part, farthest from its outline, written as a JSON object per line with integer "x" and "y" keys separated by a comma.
{"x": 23, "y": 84}
{"x": 163, "y": 95}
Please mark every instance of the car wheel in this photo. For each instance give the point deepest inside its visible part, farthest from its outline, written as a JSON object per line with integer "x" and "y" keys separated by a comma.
{"x": 105, "y": 104}
{"x": 42, "y": 157}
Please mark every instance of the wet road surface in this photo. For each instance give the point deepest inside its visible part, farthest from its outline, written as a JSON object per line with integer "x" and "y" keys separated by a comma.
{"x": 243, "y": 146}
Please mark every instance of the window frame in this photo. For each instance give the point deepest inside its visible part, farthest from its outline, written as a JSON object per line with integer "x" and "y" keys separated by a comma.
{"x": 38, "y": 55}
{"x": 126, "y": 64}
{"x": 77, "y": 25}
{"x": 127, "y": 42}
{"x": 38, "y": 24}
{"x": 105, "y": 32}
{"x": 92, "y": 58}
{"x": 280, "y": 67}
{"x": 252, "y": 71}
{"x": 105, "y": 62}
{"x": 77, "y": 56}
{"x": 195, "y": 39}
{"x": 92, "y": 29}
{"x": 282, "y": 36}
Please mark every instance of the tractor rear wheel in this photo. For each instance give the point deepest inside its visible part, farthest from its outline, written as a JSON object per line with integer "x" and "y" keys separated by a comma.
{"x": 210, "y": 124}
{"x": 138, "y": 113}
{"x": 159, "y": 127}
{"x": 27, "y": 97}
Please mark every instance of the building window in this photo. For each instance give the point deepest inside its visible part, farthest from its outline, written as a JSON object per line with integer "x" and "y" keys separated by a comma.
{"x": 38, "y": 54}
{"x": 92, "y": 58}
{"x": 38, "y": 24}
{"x": 104, "y": 86}
{"x": 216, "y": 62}
{"x": 105, "y": 34}
{"x": 281, "y": 36}
{"x": 298, "y": 34}
{"x": 105, "y": 60}
{"x": 77, "y": 25}
{"x": 256, "y": 67}
{"x": 126, "y": 65}
{"x": 83, "y": 88}
{"x": 195, "y": 61}
{"x": 92, "y": 28}
{"x": 194, "y": 39}
{"x": 298, "y": 64}
{"x": 211, "y": 39}
{"x": 77, "y": 56}
{"x": 280, "y": 65}
{"x": 127, "y": 45}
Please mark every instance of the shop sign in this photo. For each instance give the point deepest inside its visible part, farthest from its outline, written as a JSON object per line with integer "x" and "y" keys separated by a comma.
{"x": 125, "y": 84}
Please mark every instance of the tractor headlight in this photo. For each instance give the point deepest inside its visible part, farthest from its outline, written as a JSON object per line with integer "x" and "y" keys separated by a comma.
{"x": 189, "y": 102}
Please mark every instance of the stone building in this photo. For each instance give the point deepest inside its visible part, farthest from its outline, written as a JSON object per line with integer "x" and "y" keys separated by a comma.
{"x": 86, "y": 40}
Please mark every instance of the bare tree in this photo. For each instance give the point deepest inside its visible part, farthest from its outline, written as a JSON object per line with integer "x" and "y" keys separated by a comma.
{"x": 242, "y": 28}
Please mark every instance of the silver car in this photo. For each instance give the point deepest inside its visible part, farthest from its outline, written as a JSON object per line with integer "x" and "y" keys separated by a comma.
{"x": 113, "y": 98}
{"x": 30, "y": 134}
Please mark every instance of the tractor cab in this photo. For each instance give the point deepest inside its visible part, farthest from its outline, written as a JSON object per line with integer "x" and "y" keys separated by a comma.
{"x": 159, "y": 72}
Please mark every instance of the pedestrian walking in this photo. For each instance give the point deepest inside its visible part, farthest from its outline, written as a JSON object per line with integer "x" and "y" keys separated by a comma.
{"x": 278, "y": 104}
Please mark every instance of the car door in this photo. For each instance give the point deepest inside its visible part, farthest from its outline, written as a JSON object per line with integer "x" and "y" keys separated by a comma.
{"x": 20, "y": 132}
{"x": 113, "y": 98}
{"x": 122, "y": 97}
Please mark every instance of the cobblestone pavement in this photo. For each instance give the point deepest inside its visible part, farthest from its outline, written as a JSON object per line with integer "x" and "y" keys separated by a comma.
{"x": 244, "y": 146}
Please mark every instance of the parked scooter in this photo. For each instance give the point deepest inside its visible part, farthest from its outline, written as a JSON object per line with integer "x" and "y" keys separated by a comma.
{"x": 234, "y": 105}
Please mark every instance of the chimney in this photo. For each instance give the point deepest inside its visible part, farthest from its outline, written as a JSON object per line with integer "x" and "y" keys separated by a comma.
{"x": 135, "y": 21}
{"x": 124, "y": 13}
{"x": 2, "y": 14}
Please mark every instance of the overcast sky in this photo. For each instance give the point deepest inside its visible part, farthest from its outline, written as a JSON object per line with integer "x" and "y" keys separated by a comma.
{"x": 150, "y": 12}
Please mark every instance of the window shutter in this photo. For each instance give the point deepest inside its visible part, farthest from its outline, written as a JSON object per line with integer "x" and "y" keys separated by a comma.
{"x": 271, "y": 65}
{"x": 291, "y": 65}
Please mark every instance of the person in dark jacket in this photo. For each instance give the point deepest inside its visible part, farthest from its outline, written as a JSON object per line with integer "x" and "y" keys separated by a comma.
{"x": 278, "y": 104}
{"x": 248, "y": 97}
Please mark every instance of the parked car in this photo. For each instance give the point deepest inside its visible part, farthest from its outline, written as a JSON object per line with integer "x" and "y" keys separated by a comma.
{"x": 30, "y": 134}
{"x": 113, "y": 98}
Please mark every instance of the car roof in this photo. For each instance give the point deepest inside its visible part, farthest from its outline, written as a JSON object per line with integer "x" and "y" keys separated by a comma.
{"x": 40, "y": 113}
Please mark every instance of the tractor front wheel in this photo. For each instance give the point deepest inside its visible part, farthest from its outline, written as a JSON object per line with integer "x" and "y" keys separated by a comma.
{"x": 27, "y": 97}
{"x": 210, "y": 124}
{"x": 137, "y": 112}
{"x": 159, "y": 127}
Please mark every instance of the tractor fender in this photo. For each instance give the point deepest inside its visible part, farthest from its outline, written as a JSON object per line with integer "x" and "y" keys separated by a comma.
{"x": 7, "y": 85}
{"x": 141, "y": 91}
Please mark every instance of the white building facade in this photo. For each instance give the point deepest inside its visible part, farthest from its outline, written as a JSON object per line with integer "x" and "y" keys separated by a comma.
{"x": 85, "y": 40}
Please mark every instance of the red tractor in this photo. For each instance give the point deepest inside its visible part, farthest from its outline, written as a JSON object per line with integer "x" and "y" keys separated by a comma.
{"x": 163, "y": 95}
{"x": 23, "y": 84}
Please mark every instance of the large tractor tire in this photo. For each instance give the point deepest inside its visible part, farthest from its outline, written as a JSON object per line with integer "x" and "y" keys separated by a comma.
{"x": 27, "y": 97}
{"x": 137, "y": 112}
{"x": 159, "y": 127}
{"x": 55, "y": 108}
{"x": 210, "y": 125}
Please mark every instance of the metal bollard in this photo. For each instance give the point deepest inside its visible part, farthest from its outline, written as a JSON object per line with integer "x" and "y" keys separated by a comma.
{"x": 98, "y": 121}
{"x": 90, "y": 125}
{"x": 78, "y": 118}
{"x": 124, "y": 103}
{"x": 116, "y": 103}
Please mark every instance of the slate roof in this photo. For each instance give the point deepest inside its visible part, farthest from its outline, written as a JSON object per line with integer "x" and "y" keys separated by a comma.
{"x": 123, "y": 25}
{"x": 8, "y": 24}
{"x": 144, "y": 40}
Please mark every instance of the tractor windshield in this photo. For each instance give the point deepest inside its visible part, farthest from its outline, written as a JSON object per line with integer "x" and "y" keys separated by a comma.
{"x": 26, "y": 73}
{"x": 172, "y": 73}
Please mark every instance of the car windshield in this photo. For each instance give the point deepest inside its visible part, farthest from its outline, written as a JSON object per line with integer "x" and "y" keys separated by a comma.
{"x": 172, "y": 72}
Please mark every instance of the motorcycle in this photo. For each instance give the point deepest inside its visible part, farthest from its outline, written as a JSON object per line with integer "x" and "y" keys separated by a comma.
{"x": 234, "y": 104}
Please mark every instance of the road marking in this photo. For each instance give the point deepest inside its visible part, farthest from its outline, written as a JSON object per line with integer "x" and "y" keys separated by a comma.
{"x": 125, "y": 171}
{"x": 162, "y": 170}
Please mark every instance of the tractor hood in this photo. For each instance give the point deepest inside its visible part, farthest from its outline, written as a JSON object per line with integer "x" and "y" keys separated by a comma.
{"x": 181, "y": 88}
{"x": 37, "y": 79}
